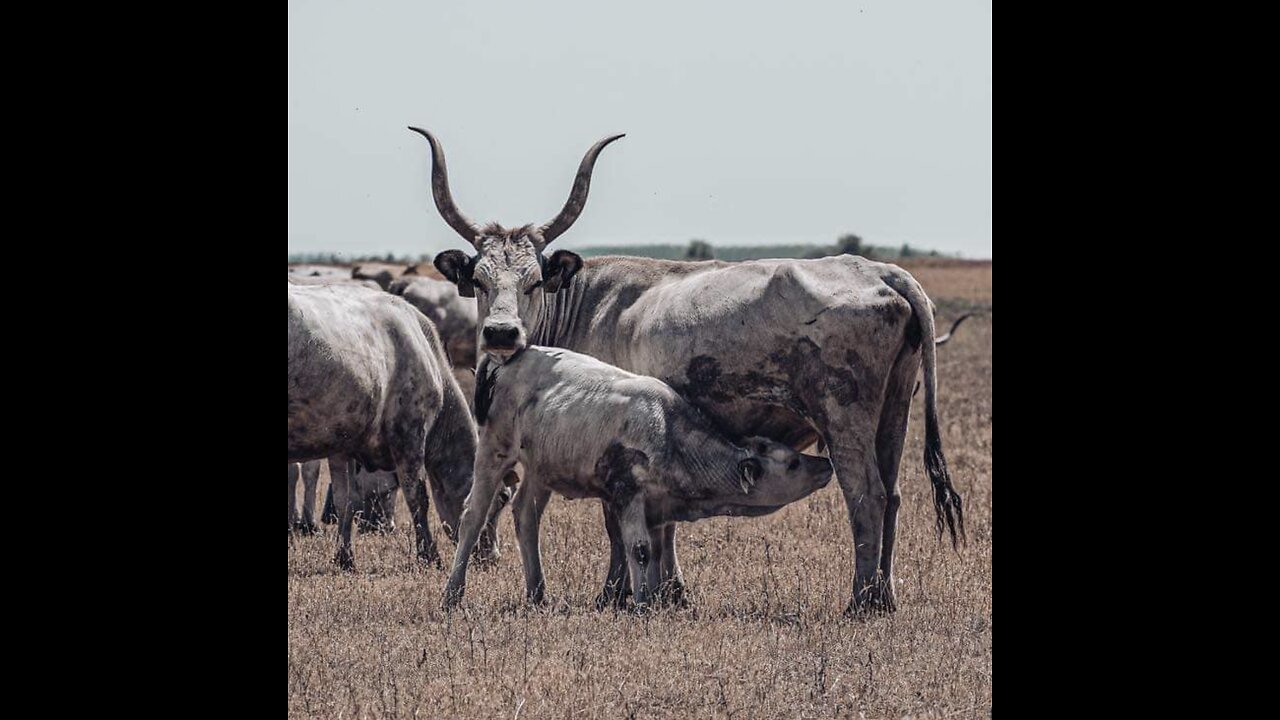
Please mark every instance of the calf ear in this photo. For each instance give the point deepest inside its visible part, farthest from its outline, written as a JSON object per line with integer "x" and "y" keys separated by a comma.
{"x": 559, "y": 269}
{"x": 456, "y": 267}
{"x": 750, "y": 471}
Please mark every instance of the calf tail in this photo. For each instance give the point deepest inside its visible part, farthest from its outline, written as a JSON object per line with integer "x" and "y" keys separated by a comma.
{"x": 947, "y": 505}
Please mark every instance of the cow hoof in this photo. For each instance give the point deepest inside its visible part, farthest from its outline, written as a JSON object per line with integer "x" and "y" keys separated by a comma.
{"x": 611, "y": 598}
{"x": 871, "y": 604}
{"x": 431, "y": 558}
{"x": 452, "y": 598}
{"x": 345, "y": 561}
{"x": 303, "y": 528}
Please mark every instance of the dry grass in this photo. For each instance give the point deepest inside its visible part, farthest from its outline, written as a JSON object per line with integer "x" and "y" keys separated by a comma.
{"x": 764, "y": 639}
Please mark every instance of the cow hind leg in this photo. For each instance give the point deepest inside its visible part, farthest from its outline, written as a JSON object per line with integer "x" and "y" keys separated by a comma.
{"x": 853, "y": 456}
{"x": 310, "y": 480}
{"x": 891, "y": 436}
{"x": 344, "y": 502}
{"x": 293, "y": 489}
{"x": 412, "y": 475}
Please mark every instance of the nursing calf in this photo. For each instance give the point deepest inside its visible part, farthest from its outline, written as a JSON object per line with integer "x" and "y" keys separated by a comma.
{"x": 584, "y": 428}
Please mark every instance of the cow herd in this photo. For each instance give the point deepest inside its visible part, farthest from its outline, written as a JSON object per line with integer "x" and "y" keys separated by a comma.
{"x": 668, "y": 391}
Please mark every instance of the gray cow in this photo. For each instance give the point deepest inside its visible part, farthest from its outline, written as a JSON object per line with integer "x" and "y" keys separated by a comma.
{"x": 375, "y": 498}
{"x": 304, "y": 522}
{"x": 794, "y": 350}
{"x": 584, "y": 428}
{"x": 369, "y": 380}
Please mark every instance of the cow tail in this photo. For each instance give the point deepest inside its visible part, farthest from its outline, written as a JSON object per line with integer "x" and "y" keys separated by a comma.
{"x": 947, "y": 504}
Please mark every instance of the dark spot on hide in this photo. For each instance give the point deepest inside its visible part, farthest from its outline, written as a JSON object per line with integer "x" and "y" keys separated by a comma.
{"x": 641, "y": 553}
{"x": 803, "y": 365}
{"x": 703, "y": 370}
{"x": 486, "y": 386}
{"x": 886, "y": 292}
{"x": 914, "y": 334}
{"x": 616, "y": 470}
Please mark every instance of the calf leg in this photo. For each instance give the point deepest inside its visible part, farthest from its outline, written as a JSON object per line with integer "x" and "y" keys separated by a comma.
{"x": 639, "y": 546}
{"x": 488, "y": 476}
{"x": 310, "y": 480}
{"x": 616, "y": 583}
{"x": 487, "y": 550}
{"x": 527, "y": 509}
{"x": 671, "y": 588}
{"x": 344, "y": 502}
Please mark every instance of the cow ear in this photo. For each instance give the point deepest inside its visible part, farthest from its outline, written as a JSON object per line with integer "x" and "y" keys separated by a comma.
{"x": 456, "y": 267}
{"x": 559, "y": 269}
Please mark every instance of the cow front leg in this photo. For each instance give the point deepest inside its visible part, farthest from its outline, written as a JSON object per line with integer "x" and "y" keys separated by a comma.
{"x": 488, "y": 477}
{"x": 526, "y": 510}
{"x": 344, "y": 502}
{"x": 617, "y": 585}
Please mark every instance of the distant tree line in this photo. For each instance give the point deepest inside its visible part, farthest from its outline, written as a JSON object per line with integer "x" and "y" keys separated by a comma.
{"x": 697, "y": 249}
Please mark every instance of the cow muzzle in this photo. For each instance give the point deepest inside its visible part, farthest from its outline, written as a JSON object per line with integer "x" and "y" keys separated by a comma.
{"x": 502, "y": 339}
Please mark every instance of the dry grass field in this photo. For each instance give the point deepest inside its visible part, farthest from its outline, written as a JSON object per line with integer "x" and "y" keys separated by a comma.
{"x": 764, "y": 638}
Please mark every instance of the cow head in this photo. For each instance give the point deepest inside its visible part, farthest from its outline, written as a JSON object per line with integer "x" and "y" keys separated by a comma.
{"x": 510, "y": 264}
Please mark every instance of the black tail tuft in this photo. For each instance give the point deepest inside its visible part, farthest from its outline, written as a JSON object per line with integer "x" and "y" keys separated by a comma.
{"x": 946, "y": 501}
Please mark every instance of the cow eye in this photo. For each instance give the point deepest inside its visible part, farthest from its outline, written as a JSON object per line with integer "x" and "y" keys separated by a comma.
{"x": 533, "y": 287}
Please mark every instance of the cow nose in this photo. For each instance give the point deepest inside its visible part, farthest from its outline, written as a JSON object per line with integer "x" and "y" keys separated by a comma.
{"x": 501, "y": 336}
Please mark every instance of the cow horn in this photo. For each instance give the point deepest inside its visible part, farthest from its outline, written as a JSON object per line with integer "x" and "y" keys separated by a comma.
{"x": 577, "y": 196}
{"x": 440, "y": 191}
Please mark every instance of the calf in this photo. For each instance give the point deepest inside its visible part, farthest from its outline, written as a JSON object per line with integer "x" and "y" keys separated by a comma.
{"x": 584, "y": 428}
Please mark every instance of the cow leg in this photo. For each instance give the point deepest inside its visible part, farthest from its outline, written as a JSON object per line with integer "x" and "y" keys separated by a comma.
{"x": 413, "y": 483}
{"x": 671, "y": 578}
{"x": 616, "y": 583}
{"x": 310, "y": 480}
{"x": 853, "y": 456}
{"x": 344, "y": 502}
{"x": 526, "y": 510}
{"x": 329, "y": 515}
{"x": 639, "y": 547}
{"x": 488, "y": 477}
{"x": 891, "y": 435}
{"x": 293, "y": 489}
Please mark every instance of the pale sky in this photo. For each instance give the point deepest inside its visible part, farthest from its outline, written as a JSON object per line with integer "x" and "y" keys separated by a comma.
{"x": 747, "y": 123}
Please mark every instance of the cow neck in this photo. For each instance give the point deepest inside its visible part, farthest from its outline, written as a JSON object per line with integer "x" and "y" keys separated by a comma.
{"x": 558, "y": 319}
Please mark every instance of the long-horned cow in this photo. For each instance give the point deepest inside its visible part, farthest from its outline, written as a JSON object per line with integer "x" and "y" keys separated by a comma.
{"x": 793, "y": 350}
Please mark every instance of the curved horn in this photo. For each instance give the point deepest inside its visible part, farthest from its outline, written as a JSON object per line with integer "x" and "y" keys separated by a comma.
{"x": 440, "y": 191}
{"x": 577, "y": 196}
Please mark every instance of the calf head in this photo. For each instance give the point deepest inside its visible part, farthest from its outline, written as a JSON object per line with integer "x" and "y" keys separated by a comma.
{"x": 772, "y": 474}
{"x": 510, "y": 263}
